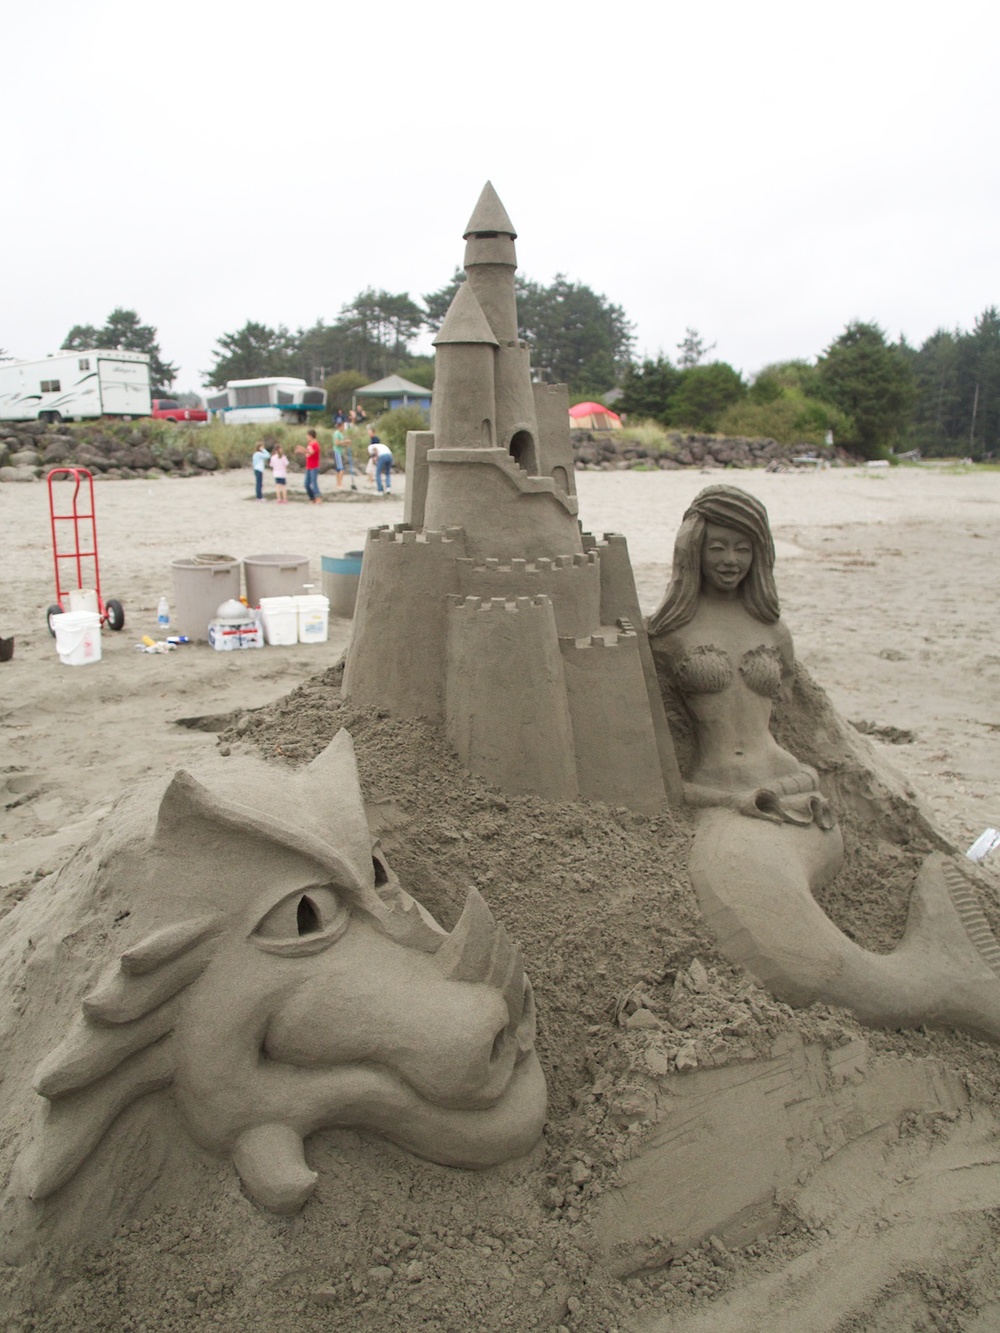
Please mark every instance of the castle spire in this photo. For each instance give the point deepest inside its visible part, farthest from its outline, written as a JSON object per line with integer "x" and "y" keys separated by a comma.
{"x": 489, "y": 216}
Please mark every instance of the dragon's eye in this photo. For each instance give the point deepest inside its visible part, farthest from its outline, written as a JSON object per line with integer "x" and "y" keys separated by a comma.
{"x": 303, "y": 922}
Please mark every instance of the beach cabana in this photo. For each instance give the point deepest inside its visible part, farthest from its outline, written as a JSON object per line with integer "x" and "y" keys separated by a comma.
{"x": 395, "y": 392}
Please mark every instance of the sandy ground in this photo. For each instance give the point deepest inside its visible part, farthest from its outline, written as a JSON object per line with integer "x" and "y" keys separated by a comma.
{"x": 887, "y": 583}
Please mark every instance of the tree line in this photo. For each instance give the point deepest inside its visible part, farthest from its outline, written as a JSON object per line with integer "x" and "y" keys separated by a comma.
{"x": 872, "y": 395}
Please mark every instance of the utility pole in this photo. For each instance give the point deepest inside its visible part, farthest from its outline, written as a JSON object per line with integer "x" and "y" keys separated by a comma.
{"x": 972, "y": 428}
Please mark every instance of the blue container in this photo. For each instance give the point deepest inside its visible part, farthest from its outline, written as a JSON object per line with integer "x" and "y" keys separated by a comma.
{"x": 341, "y": 576}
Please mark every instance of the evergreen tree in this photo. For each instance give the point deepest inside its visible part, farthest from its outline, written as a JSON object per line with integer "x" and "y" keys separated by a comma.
{"x": 576, "y": 337}
{"x": 122, "y": 329}
{"x": 872, "y": 383}
{"x": 252, "y": 352}
{"x": 648, "y": 388}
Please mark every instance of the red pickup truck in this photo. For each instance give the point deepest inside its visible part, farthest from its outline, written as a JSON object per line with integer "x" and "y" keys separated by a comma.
{"x": 168, "y": 409}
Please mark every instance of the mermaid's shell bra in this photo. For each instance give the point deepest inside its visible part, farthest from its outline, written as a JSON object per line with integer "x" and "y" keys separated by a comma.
{"x": 709, "y": 670}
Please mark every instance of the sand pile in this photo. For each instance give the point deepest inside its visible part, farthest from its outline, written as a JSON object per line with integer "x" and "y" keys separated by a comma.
{"x": 631, "y": 996}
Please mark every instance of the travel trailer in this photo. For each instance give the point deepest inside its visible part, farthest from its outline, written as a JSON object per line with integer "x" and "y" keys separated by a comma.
{"x": 70, "y": 386}
{"x": 280, "y": 398}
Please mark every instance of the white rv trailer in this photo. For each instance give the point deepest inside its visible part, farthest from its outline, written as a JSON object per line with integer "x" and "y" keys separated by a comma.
{"x": 69, "y": 386}
{"x": 279, "y": 398}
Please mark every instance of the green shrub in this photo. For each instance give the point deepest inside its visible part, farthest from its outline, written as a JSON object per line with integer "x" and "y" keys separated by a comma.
{"x": 391, "y": 428}
{"x": 791, "y": 418}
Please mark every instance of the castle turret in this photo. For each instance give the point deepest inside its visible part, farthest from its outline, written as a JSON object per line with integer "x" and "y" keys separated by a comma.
{"x": 463, "y": 415}
{"x": 490, "y": 265}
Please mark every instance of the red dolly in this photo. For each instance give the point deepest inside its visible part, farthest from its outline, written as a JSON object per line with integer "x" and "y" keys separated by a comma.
{"x": 80, "y": 545}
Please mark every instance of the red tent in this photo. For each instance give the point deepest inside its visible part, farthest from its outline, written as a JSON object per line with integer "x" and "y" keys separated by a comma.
{"x": 594, "y": 416}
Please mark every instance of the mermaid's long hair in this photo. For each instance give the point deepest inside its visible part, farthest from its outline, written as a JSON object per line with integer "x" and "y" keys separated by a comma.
{"x": 730, "y": 508}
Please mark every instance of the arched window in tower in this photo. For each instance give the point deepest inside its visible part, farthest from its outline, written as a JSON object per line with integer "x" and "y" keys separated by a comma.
{"x": 486, "y": 434}
{"x": 522, "y": 450}
{"x": 561, "y": 479}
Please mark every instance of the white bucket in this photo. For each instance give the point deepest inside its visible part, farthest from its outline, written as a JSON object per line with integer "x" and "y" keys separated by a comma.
{"x": 314, "y": 617}
{"x": 78, "y": 637}
{"x": 83, "y": 599}
{"x": 281, "y": 620}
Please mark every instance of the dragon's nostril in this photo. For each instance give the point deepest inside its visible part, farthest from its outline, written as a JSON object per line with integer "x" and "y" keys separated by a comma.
{"x": 498, "y": 1045}
{"x": 381, "y": 874}
{"x": 306, "y": 916}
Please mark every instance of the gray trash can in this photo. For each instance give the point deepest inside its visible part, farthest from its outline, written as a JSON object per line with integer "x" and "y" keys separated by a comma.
{"x": 274, "y": 576}
{"x": 341, "y": 577}
{"x": 201, "y": 584}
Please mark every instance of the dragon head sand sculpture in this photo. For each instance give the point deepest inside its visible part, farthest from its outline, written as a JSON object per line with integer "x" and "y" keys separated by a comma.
{"x": 279, "y": 980}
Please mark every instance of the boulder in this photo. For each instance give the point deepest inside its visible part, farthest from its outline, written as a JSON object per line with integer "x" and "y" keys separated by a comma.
{"x": 205, "y": 459}
{"x": 17, "y": 474}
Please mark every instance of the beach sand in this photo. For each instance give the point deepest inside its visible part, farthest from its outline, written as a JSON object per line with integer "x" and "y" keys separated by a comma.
{"x": 887, "y": 582}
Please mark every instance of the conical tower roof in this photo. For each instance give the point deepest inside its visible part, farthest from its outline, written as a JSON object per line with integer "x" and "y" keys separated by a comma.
{"x": 489, "y": 216}
{"x": 465, "y": 321}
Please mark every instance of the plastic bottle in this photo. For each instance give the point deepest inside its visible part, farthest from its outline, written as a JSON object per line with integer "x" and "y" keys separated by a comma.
{"x": 163, "y": 616}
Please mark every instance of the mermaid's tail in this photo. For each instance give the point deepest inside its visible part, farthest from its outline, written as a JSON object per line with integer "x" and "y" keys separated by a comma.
{"x": 754, "y": 882}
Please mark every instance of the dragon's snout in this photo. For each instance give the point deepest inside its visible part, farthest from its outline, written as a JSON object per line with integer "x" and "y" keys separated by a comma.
{"x": 451, "y": 1024}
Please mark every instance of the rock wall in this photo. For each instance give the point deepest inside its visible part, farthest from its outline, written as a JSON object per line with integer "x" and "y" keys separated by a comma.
{"x": 604, "y": 451}
{"x": 28, "y": 449}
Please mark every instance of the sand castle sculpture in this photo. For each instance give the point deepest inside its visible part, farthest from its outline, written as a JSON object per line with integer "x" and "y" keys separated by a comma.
{"x": 765, "y": 835}
{"x": 488, "y": 611}
{"x": 277, "y": 979}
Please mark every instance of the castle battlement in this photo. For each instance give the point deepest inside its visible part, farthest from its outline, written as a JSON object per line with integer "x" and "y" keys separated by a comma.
{"x": 523, "y": 566}
{"x": 510, "y": 604}
{"x": 605, "y": 638}
{"x": 406, "y": 535}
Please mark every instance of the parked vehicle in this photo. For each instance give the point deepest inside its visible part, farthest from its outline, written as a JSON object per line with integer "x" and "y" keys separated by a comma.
{"x": 281, "y": 398}
{"x": 169, "y": 409}
{"x": 71, "y": 386}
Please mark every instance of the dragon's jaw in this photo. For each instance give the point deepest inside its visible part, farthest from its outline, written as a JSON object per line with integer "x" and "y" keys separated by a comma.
{"x": 270, "y": 1156}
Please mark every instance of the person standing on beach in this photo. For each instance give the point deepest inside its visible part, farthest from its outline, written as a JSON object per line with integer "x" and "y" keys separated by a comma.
{"x": 279, "y": 466}
{"x": 260, "y": 457}
{"x": 311, "y": 451}
{"x": 340, "y": 443}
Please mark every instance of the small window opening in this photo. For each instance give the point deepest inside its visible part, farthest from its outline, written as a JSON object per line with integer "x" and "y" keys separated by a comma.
{"x": 381, "y": 874}
{"x": 306, "y": 916}
{"x": 84, "y": 363}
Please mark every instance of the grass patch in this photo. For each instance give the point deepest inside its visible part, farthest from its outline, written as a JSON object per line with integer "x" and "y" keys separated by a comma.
{"x": 648, "y": 434}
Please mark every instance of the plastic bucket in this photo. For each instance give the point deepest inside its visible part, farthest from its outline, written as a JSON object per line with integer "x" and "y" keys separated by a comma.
{"x": 83, "y": 599}
{"x": 78, "y": 637}
{"x": 281, "y": 620}
{"x": 340, "y": 582}
{"x": 274, "y": 576}
{"x": 201, "y": 584}
{"x": 314, "y": 617}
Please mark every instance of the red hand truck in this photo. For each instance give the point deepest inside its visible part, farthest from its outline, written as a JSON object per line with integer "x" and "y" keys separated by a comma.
{"x": 72, "y": 557}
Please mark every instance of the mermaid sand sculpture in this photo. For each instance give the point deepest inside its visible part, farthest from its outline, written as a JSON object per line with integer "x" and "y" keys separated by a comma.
{"x": 279, "y": 980}
{"x": 765, "y": 835}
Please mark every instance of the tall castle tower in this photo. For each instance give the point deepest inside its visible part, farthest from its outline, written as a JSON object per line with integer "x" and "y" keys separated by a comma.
{"x": 488, "y": 609}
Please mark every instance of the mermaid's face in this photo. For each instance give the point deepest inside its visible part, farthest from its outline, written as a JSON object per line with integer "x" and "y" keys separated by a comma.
{"x": 726, "y": 557}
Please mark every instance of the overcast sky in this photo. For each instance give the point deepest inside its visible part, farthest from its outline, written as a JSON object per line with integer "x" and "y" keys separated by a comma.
{"x": 762, "y": 172}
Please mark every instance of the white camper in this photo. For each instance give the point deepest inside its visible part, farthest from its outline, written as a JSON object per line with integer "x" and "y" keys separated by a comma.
{"x": 70, "y": 386}
{"x": 280, "y": 398}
